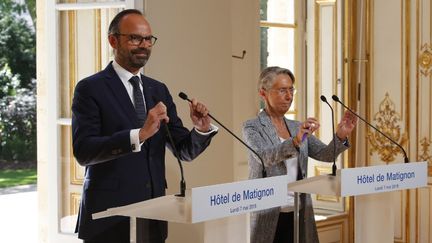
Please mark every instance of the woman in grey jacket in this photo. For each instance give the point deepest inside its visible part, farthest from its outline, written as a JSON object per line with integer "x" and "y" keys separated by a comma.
{"x": 285, "y": 146}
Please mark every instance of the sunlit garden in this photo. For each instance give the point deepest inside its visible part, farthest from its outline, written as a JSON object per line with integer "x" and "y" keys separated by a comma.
{"x": 17, "y": 93}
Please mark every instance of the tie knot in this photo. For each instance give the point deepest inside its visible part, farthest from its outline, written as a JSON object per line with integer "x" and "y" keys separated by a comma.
{"x": 135, "y": 81}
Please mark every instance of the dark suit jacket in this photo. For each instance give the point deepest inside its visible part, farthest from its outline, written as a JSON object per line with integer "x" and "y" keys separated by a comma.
{"x": 102, "y": 118}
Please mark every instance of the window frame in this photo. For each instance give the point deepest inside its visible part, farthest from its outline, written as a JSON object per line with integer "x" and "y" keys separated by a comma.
{"x": 298, "y": 111}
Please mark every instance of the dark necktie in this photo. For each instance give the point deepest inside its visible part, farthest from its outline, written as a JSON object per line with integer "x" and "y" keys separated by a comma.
{"x": 138, "y": 100}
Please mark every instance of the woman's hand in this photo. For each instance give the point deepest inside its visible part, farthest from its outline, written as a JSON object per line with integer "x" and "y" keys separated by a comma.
{"x": 346, "y": 125}
{"x": 306, "y": 128}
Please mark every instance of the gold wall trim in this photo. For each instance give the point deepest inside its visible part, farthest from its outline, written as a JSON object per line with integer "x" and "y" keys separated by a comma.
{"x": 425, "y": 60}
{"x": 407, "y": 85}
{"x": 417, "y": 191}
{"x": 317, "y": 51}
{"x": 369, "y": 68}
{"x": 98, "y": 52}
{"x": 72, "y": 52}
{"x": 404, "y": 73}
{"x": 425, "y": 154}
{"x": 417, "y": 99}
{"x": 340, "y": 221}
{"x": 427, "y": 191}
{"x": 404, "y": 211}
{"x": 75, "y": 199}
{"x": 326, "y": 1}
{"x": 318, "y": 79}
{"x": 75, "y": 178}
{"x": 407, "y": 89}
{"x": 422, "y": 77}
{"x": 276, "y": 24}
{"x": 388, "y": 122}
{"x": 325, "y": 170}
{"x": 349, "y": 28}
{"x": 338, "y": 226}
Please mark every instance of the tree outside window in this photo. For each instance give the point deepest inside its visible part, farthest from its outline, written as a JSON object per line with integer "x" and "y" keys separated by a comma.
{"x": 17, "y": 81}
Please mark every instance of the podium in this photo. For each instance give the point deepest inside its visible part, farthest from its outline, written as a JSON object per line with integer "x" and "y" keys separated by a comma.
{"x": 372, "y": 185}
{"x": 225, "y": 200}
{"x": 206, "y": 203}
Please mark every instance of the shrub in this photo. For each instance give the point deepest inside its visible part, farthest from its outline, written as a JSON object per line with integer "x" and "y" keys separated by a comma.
{"x": 17, "y": 81}
{"x": 18, "y": 125}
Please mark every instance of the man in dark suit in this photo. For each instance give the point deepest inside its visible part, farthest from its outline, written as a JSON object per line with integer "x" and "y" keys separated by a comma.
{"x": 117, "y": 122}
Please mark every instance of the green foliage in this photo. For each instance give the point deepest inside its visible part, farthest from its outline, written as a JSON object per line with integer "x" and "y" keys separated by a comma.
{"x": 18, "y": 126}
{"x": 17, "y": 42}
{"x": 10, "y": 178}
{"x": 8, "y": 82}
{"x": 31, "y": 8}
{"x": 17, "y": 82}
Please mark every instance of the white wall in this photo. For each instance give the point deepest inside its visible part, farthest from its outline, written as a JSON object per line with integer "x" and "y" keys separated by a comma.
{"x": 245, "y": 36}
{"x": 193, "y": 54}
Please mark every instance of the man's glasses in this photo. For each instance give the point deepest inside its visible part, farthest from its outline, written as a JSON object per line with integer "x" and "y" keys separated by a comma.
{"x": 138, "y": 39}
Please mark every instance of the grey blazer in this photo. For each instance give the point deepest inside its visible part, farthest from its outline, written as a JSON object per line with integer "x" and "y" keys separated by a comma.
{"x": 261, "y": 135}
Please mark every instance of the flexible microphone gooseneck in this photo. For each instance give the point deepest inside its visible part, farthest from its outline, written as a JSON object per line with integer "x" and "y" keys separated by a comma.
{"x": 182, "y": 180}
{"x": 334, "y": 168}
{"x": 264, "y": 172}
{"x": 335, "y": 98}
{"x": 176, "y": 154}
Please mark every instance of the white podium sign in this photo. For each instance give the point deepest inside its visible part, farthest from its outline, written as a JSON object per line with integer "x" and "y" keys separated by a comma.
{"x": 383, "y": 178}
{"x": 218, "y": 201}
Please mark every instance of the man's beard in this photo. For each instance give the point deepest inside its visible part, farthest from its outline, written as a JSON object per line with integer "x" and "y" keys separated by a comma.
{"x": 138, "y": 62}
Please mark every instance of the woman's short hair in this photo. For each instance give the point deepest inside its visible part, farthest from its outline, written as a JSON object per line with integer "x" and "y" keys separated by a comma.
{"x": 268, "y": 75}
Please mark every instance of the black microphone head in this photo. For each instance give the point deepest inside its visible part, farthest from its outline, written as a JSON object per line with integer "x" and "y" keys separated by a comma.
{"x": 323, "y": 98}
{"x": 335, "y": 98}
{"x": 183, "y": 96}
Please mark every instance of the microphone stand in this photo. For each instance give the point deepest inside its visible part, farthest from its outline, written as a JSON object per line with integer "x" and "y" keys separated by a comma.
{"x": 334, "y": 168}
{"x": 176, "y": 154}
{"x": 335, "y": 98}
{"x": 182, "y": 181}
{"x": 264, "y": 172}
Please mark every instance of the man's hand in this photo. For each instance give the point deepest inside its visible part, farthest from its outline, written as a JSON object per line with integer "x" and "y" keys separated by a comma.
{"x": 153, "y": 121}
{"x": 199, "y": 116}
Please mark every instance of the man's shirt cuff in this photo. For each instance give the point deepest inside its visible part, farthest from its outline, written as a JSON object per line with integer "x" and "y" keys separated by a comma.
{"x": 134, "y": 140}
{"x": 213, "y": 129}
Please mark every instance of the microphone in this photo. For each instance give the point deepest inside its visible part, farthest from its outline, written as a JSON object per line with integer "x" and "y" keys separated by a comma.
{"x": 176, "y": 154}
{"x": 264, "y": 172}
{"x": 335, "y": 98}
{"x": 324, "y": 99}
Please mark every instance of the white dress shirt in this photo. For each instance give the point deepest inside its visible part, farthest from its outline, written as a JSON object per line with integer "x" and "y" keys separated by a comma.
{"x": 124, "y": 76}
{"x": 292, "y": 170}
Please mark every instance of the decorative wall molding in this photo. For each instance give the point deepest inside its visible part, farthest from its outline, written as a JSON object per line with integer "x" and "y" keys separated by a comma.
{"x": 76, "y": 171}
{"x": 425, "y": 59}
{"x": 325, "y": 170}
{"x": 75, "y": 199}
{"x": 334, "y": 229}
{"x": 425, "y": 153}
{"x": 388, "y": 121}
{"x": 324, "y": 68}
{"x": 422, "y": 69}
